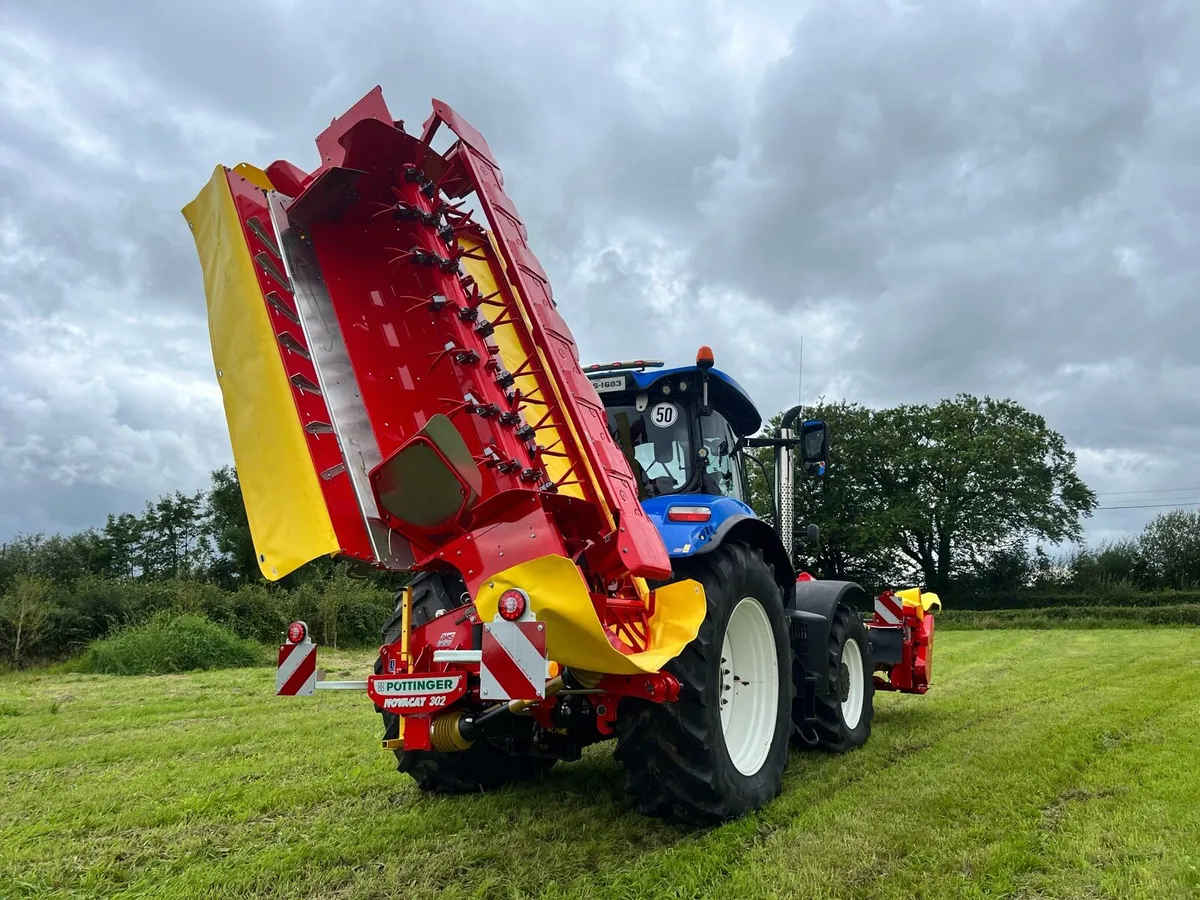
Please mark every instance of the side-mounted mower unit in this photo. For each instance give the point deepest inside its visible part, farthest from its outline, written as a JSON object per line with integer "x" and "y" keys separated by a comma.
{"x": 401, "y": 389}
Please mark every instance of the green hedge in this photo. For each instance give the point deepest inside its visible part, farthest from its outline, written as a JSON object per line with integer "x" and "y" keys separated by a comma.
{"x": 1110, "y": 596}
{"x": 1071, "y": 617}
{"x": 172, "y": 643}
{"x": 339, "y": 611}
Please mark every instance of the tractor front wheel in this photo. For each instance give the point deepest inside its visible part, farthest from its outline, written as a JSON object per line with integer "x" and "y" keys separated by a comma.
{"x": 482, "y": 767}
{"x": 721, "y": 749}
{"x": 844, "y": 715}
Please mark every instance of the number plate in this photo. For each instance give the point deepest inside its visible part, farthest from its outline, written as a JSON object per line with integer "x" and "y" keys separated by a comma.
{"x": 608, "y": 385}
{"x": 415, "y": 693}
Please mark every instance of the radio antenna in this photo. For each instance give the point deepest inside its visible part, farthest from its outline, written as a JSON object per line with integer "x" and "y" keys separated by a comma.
{"x": 800, "y": 376}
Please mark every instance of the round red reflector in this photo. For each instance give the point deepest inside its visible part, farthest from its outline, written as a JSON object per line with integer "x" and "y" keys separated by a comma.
{"x": 512, "y": 604}
{"x": 297, "y": 632}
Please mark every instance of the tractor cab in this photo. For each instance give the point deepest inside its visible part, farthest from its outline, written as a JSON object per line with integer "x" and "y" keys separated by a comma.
{"x": 679, "y": 428}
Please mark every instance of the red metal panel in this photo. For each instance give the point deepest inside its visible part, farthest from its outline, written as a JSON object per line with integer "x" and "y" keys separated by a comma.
{"x": 329, "y": 143}
{"x": 520, "y": 533}
{"x": 403, "y": 314}
{"x": 287, "y": 178}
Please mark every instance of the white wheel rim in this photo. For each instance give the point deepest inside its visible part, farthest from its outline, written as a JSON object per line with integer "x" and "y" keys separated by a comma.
{"x": 852, "y": 665}
{"x": 749, "y": 686}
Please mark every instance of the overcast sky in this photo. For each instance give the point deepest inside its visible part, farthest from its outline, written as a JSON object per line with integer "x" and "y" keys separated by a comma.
{"x": 994, "y": 197}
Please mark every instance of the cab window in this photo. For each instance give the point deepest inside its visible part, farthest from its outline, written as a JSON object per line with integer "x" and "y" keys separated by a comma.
{"x": 661, "y": 444}
{"x": 719, "y": 471}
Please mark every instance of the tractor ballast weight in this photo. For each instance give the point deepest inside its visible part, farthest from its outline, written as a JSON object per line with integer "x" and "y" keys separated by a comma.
{"x": 400, "y": 389}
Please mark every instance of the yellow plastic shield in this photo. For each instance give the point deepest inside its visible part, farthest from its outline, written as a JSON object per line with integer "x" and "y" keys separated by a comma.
{"x": 923, "y": 602}
{"x": 289, "y": 521}
{"x": 575, "y": 637}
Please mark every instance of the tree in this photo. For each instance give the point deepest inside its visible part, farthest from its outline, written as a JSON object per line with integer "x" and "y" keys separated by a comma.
{"x": 123, "y": 534}
{"x": 1012, "y": 566}
{"x": 934, "y": 491}
{"x": 235, "y": 562}
{"x": 1170, "y": 549}
{"x": 25, "y": 612}
{"x": 855, "y": 543}
{"x": 60, "y": 558}
{"x": 965, "y": 477}
{"x": 174, "y": 543}
{"x": 1111, "y": 564}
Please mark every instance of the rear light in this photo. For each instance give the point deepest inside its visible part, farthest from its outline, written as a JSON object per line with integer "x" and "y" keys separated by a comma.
{"x": 297, "y": 632}
{"x": 512, "y": 604}
{"x": 689, "y": 514}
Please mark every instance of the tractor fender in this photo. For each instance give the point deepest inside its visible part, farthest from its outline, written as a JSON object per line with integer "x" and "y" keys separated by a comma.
{"x": 754, "y": 532}
{"x": 813, "y": 604}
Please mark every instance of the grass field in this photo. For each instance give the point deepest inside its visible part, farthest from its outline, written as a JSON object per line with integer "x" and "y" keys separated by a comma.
{"x": 1060, "y": 764}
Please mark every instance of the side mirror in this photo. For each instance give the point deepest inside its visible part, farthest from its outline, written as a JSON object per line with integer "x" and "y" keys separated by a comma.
{"x": 812, "y": 534}
{"x": 814, "y": 446}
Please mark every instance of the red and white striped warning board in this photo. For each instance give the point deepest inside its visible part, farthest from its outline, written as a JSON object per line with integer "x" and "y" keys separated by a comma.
{"x": 889, "y": 608}
{"x": 297, "y": 672}
{"x": 512, "y": 663}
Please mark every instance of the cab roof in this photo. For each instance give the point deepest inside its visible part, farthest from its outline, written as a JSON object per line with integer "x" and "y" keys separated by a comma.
{"x": 724, "y": 393}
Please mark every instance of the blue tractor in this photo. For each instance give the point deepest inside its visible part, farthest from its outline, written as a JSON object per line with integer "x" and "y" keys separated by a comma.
{"x": 684, "y": 431}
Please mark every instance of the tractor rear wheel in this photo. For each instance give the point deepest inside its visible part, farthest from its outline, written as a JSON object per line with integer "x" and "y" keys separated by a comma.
{"x": 844, "y": 715}
{"x": 483, "y": 767}
{"x": 721, "y": 749}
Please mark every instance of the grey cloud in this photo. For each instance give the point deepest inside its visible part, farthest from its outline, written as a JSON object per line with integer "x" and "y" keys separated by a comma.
{"x": 886, "y": 132}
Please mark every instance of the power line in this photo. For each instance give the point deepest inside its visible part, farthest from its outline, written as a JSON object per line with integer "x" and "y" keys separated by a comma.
{"x": 1155, "y": 491}
{"x": 1153, "y": 505}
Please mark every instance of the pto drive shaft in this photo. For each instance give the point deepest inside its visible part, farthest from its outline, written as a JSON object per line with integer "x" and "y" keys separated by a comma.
{"x": 458, "y": 731}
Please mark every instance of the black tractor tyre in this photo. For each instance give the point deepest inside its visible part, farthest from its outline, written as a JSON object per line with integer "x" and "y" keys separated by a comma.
{"x": 677, "y": 765}
{"x": 834, "y": 733}
{"x": 482, "y": 767}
